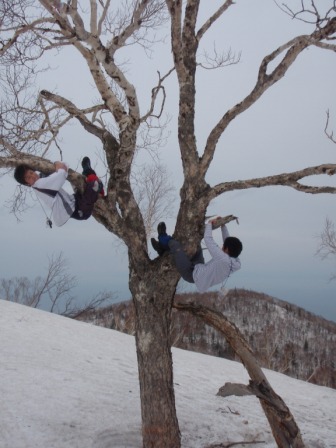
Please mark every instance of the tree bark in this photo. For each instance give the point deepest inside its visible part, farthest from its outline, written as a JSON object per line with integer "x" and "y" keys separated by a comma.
{"x": 153, "y": 291}
{"x": 284, "y": 428}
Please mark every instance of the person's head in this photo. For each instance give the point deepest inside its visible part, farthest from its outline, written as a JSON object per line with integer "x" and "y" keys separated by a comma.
{"x": 232, "y": 246}
{"x": 25, "y": 175}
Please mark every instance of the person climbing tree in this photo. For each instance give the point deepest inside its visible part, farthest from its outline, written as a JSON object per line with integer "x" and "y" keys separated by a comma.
{"x": 224, "y": 261}
{"x": 62, "y": 204}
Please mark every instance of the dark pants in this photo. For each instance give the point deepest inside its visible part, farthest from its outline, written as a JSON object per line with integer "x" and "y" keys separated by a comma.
{"x": 85, "y": 202}
{"x": 183, "y": 263}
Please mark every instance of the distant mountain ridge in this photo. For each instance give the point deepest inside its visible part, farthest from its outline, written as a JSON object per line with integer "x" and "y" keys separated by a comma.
{"x": 283, "y": 336}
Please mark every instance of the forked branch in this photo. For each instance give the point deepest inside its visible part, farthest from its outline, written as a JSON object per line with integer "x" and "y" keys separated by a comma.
{"x": 266, "y": 78}
{"x": 285, "y": 179}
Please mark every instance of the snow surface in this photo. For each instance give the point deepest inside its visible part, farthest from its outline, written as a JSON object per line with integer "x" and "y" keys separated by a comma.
{"x": 69, "y": 384}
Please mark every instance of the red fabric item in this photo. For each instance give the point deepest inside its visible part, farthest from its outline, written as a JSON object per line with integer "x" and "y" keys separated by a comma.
{"x": 93, "y": 178}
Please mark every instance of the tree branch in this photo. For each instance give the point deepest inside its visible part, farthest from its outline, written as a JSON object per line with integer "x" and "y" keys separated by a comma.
{"x": 308, "y": 15}
{"x": 204, "y": 28}
{"x": 155, "y": 92}
{"x": 330, "y": 134}
{"x": 73, "y": 111}
{"x": 103, "y": 17}
{"x": 283, "y": 425}
{"x": 294, "y": 47}
{"x": 6, "y": 45}
{"x": 285, "y": 179}
{"x": 175, "y": 10}
{"x": 231, "y": 444}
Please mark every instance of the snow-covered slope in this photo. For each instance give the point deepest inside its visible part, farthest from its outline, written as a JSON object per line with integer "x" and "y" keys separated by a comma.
{"x": 69, "y": 384}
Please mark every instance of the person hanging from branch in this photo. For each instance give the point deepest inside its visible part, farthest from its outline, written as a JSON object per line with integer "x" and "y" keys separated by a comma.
{"x": 224, "y": 261}
{"x": 62, "y": 204}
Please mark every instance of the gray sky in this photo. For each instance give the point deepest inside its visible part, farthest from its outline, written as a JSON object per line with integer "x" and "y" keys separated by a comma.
{"x": 283, "y": 132}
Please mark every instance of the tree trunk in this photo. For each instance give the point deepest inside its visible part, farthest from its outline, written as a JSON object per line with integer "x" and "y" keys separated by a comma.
{"x": 284, "y": 428}
{"x": 153, "y": 291}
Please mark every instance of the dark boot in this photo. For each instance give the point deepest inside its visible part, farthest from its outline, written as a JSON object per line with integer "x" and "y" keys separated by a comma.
{"x": 86, "y": 165}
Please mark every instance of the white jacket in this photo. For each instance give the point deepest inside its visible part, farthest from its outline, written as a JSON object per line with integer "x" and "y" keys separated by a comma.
{"x": 221, "y": 265}
{"x": 63, "y": 204}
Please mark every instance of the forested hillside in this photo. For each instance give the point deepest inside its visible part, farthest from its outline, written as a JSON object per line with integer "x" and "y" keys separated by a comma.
{"x": 284, "y": 337}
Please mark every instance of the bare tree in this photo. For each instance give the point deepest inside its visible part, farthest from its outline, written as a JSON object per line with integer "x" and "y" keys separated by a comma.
{"x": 327, "y": 238}
{"x": 30, "y": 126}
{"x": 51, "y": 292}
{"x": 154, "y": 193}
{"x": 327, "y": 242}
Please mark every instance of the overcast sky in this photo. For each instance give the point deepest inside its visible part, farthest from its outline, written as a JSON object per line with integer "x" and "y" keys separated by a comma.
{"x": 283, "y": 132}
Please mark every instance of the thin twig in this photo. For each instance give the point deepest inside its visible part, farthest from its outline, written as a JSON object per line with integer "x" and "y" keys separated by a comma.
{"x": 330, "y": 135}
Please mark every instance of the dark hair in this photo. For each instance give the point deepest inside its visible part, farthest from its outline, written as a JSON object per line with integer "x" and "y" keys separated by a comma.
{"x": 234, "y": 246}
{"x": 19, "y": 173}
